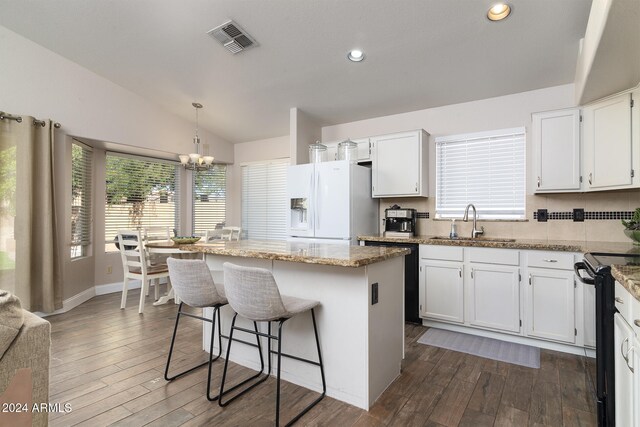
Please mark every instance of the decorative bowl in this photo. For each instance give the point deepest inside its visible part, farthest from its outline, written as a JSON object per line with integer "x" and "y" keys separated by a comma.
{"x": 185, "y": 240}
{"x": 633, "y": 235}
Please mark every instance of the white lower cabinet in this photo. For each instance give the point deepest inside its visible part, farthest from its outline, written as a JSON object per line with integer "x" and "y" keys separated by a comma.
{"x": 636, "y": 380}
{"x": 550, "y": 305}
{"x": 529, "y": 293}
{"x": 494, "y": 297}
{"x": 626, "y": 347}
{"x": 441, "y": 290}
{"x": 623, "y": 339}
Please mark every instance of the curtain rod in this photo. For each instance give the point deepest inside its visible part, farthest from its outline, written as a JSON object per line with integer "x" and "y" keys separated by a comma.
{"x": 18, "y": 119}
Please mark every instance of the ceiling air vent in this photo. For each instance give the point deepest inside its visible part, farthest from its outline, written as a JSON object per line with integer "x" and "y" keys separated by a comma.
{"x": 232, "y": 37}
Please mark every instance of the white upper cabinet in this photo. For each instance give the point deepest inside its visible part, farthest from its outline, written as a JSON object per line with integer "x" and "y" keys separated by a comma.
{"x": 556, "y": 150}
{"x": 608, "y": 143}
{"x": 399, "y": 164}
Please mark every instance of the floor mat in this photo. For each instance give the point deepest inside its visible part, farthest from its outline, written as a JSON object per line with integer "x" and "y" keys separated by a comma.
{"x": 490, "y": 348}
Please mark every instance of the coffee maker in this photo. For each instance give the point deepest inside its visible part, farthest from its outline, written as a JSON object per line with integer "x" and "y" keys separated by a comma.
{"x": 399, "y": 222}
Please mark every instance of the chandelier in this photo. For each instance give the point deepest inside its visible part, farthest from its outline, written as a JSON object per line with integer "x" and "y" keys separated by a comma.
{"x": 196, "y": 161}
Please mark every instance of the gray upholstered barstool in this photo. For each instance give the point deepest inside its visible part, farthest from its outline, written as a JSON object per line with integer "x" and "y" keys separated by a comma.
{"x": 195, "y": 287}
{"x": 254, "y": 295}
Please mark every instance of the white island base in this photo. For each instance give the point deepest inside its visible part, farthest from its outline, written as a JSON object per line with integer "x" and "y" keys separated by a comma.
{"x": 362, "y": 343}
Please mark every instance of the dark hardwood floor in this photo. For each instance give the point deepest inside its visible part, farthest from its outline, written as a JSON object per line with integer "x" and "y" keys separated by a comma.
{"x": 109, "y": 363}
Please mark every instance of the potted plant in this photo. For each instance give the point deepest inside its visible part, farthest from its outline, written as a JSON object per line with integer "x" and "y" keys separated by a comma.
{"x": 632, "y": 227}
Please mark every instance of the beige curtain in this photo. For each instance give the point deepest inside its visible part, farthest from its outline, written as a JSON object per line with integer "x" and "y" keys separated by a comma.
{"x": 36, "y": 275}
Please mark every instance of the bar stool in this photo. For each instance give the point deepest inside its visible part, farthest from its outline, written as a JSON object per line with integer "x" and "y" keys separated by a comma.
{"x": 254, "y": 295}
{"x": 194, "y": 285}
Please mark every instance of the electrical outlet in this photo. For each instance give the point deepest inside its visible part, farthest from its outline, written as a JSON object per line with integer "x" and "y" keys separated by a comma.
{"x": 374, "y": 293}
{"x": 578, "y": 215}
{"x": 542, "y": 215}
{"x": 109, "y": 269}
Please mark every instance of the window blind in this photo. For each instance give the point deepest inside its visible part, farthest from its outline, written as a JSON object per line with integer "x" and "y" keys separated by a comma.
{"x": 209, "y": 199}
{"x": 264, "y": 200}
{"x": 140, "y": 193}
{"x": 486, "y": 169}
{"x": 81, "y": 185}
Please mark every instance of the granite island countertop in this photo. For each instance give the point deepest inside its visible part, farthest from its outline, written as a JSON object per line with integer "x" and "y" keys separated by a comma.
{"x": 309, "y": 253}
{"x": 629, "y": 277}
{"x": 581, "y": 246}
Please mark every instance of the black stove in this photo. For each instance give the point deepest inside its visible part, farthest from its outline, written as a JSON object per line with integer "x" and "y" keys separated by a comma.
{"x": 597, "y": 272}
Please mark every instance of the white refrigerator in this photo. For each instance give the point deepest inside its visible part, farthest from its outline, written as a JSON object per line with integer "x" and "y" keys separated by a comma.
{"x": 330, "y": 202}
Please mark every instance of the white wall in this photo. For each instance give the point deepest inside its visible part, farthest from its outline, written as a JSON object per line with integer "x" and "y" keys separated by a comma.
{"x": 487, "y": 114}
{"x": 303, "y": 131}
{"x": 246, "y": 152}
{"x": 35, "y": 81}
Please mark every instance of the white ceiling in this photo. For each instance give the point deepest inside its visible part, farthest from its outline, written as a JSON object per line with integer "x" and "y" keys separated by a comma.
{"x": 419, "y": 54}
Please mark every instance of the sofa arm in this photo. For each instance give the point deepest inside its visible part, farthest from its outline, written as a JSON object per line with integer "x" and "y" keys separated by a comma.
{"x": 30, "y": 349}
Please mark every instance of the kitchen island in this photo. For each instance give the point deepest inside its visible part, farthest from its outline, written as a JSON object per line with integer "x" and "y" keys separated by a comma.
{"x": 360, "y": 317}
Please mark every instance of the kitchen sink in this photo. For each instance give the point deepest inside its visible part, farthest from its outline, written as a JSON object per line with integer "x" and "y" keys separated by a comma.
{"x": 477, "y": 239}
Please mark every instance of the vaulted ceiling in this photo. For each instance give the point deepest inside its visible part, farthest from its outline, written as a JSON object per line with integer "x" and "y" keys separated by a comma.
{"x": 419, "y": 54}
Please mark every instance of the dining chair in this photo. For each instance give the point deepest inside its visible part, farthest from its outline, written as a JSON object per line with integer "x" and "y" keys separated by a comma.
{"x": 215, "y": 234}
{"x": 155, "y": 234}
{"x": 231, "y": 233}
{"x": 136, "y": 265}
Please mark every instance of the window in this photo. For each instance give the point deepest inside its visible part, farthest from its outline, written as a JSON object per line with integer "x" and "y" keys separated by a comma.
{"x": 486, "y": 169}
{"x": 141, "y": 192}
{"x": 264, "y": 200}
{"x": 209, "y": 199}
{"x": 81, "y": 184}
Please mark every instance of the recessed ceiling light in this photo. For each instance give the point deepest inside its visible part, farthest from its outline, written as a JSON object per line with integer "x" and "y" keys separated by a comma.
{"x": 498, "y": 12}
{"x": 356, "y": 55}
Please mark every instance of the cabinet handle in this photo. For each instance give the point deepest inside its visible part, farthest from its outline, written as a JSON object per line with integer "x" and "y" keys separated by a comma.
{"x": 637, "y": 322}
{"x": 622, "y": 352}
{"x": 550, "y": 260}
{"x": 472, "y": 273}
{"x": 529, "y": 279}
{"x": 416, "y": 187}
{"x": 619, "y": 300}
{"x": 538, "y": 182}
{"x": 590, "y": 176}
{"x": 460, "y": 273}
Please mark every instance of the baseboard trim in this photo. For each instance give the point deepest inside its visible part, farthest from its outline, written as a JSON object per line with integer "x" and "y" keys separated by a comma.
{"x": 112, "y": 288}
{"x": 72, "y": 302}
{"x": 549, "y": 345}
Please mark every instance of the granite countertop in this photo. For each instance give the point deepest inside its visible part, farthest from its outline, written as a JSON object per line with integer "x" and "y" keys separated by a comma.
{"x": 310, "y": 253}
{"x": 629, "y": 277}
{"x": 532, "y": 244}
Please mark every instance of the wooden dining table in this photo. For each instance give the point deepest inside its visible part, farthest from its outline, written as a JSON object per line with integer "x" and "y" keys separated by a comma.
{"x": 171, "y": 248}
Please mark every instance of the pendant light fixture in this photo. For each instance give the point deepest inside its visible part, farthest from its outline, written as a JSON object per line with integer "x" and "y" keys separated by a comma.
{"x": 196, "y": 161}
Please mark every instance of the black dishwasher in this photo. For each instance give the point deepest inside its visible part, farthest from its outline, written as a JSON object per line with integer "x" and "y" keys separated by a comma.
{"x": 410, "y": 278}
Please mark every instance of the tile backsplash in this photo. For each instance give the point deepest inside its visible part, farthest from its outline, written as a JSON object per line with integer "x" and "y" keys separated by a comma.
{"x": 603, "y": 211}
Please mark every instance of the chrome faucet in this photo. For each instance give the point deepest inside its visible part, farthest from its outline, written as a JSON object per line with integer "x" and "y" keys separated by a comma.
{"x": 475, "y": 232}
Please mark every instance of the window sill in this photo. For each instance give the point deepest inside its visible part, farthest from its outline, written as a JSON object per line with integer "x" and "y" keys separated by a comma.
{"x": 483, "y": 220}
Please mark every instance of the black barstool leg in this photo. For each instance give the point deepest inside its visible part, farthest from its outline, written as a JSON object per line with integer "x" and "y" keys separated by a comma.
{"x": 324, "y": 384}
{"x": 226, "y": 363}
{"x": 315, "y": 331}
{"x": 211, "y": 359}
{"x": 278, "y": 373}
{"x": 269, "y": 346}
{"x": 219, "y": 336}
{"x": 173, "y": 340}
